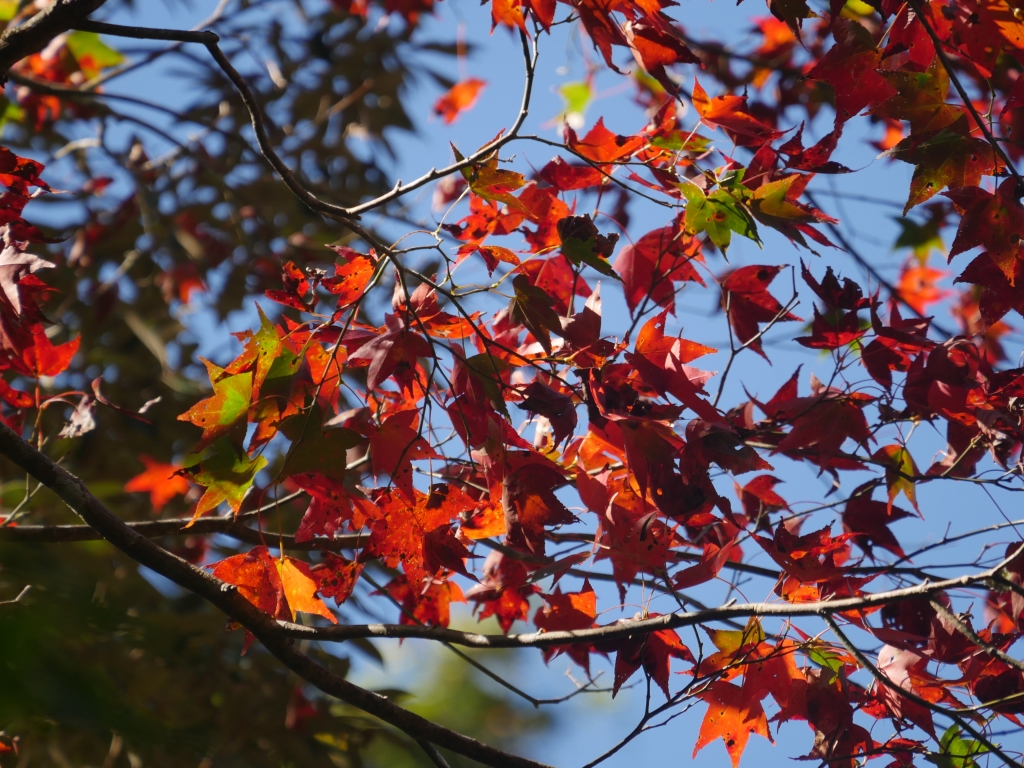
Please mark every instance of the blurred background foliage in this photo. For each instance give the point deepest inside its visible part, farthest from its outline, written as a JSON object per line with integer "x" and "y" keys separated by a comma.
{"x": 99, "y": 668}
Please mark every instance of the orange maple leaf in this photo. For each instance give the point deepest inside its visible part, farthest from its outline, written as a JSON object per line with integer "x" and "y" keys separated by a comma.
{"x": 160, "y": 480}
{"x": 419, "y": 536}
{"x": 460, "y": 97}
{"x": 732, "y": 716}
{"x": 300, "y": 589}
{"x": 278, "y": 587}
{"x": 918, "y": 286}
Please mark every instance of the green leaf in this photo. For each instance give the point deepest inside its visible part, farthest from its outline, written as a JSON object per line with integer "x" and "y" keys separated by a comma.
{"x": 261, "y": 350}
{"x": 719, "y": 214}
{"x": 682, "y": 141}
{"x": 10, "y": 112}
{"x": 315, "y": 449}
{"x": 580, "y": 252}
{"x": 225, "y": 412}
{"x": 957, "y": 752}
{"x": 227, "y": 475}
{"x": 951, "y": 157}
{"x": 490, "y": 182}
{"x": 91, "y": 53}
{"x": 827, "y": 658}
{"x": 921, "y": 239}
{"x": 583, "y": 244}
{"x": 577, "y": 97}
{"x": 731, "y": 640}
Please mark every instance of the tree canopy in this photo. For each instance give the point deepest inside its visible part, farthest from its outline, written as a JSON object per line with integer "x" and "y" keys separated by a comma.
{"x": 249, "y": 377}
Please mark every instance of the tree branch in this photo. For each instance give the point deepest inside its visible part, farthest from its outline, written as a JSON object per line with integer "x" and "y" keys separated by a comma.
{"x": 204, "y": 37}
{"x": 329, "y": 210}
{"x": 618, "y": 631}
{"x": 76, "y": 495}
{"x": 153, "y": 529}
{"x": 894, "y": 292}
{"x": 974, "y": 637}
{"x": 24, "y": 591}
{"x": 35, "y": 34}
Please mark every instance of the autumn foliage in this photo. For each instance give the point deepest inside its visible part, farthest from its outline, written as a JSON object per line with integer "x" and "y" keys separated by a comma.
{"x": 458, "y": 416}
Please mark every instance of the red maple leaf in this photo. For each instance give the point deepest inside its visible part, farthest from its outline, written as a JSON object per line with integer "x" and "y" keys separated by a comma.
{"x": 917, "y": 286}
{"x": 394, "y": 351}
{"x": 556, "y": 278}
{"x": 394, "y": 445}
{"x": 297, "y": 292}
{"x": 998, "y": 294}
{"x": 759, "y": 497}
{"x": 993, "y": 221}
{"x": 746, "y": 299}
{"x": 566, "y": 612}
{"x": 711, "y": 563}
{"x": 811, "y": 557}
{"x": 428, "y": 317}
{"x": 651, "y": 266}
{"x": 868, "y": 521}
{"x": 503, "y": 591}
{"x": 851, "y": 68}
{"x": 425, "y": 602}
{"x": 602, "y": 146}
{"x": 656, "y": 46}
{"x": 565, "y": 176}
{"x": 351, "y": 277}
{"x": 653, "y": 651}
{"x": 529, "y": 500}
{"x": 40, "y": 357}
{"x": 730, "y": 113}
{"x": 277, "y": 587}
{"x": 824, "y": 420}
{"x": 335, "y": 577}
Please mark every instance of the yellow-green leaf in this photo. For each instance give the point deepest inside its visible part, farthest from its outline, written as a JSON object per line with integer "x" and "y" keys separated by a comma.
{"x": 91, "y": 53}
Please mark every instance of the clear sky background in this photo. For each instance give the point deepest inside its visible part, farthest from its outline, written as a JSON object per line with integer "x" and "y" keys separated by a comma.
{"x": 591, "y": 723}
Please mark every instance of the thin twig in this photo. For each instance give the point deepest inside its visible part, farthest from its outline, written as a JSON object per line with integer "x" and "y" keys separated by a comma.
{"x": 24, "y": 591}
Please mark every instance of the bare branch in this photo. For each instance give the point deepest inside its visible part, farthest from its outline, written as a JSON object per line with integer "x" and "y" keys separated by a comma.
{"x": 329, "y": 210}
{"x": 435, "y": 757}
{"x": 617, "y": 631}
{"x": 870, "y": 269}
{"x": 35, "y": 34}
{"x": 148, "y": 33}
{"x": 434, "y": 174}
{"x": 24, "y": 591}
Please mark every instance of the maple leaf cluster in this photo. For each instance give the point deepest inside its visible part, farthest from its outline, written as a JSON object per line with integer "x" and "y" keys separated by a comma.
{"x": 25, "y": 348}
